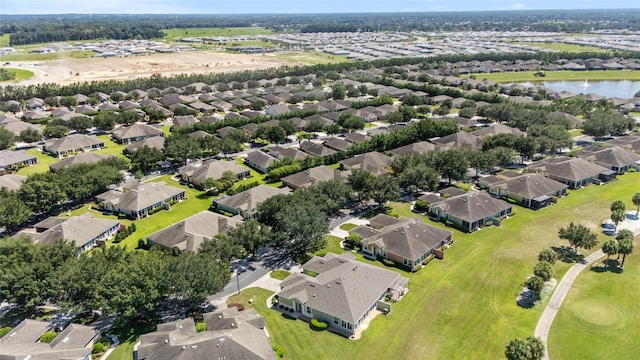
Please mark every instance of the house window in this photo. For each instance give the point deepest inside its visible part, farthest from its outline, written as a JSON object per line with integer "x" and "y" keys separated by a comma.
{"x": 336, "y": 320}
{"x": 344, "y": 324}
{"x": 308, "y": 310}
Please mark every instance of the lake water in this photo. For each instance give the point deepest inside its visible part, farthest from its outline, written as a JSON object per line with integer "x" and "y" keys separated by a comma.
{"x": 624, "y": 89}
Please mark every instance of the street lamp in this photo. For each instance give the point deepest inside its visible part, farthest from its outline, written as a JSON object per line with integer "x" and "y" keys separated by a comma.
{"x": 238, "y": 279}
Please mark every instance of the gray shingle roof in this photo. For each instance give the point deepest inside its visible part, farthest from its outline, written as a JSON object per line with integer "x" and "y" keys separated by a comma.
{"x": 615, "y": 156}
{"x": 310, "y": 177}
{"x": 344, "y": 287}
{"x": 260, "y": 159}
{"x": 12, "y": 181}
{"x": 137, "y": 130}
{"x": 229, "y": 335}
{"x": 188, "y": 234}
{"x": 248, "y": 200}
{"x": 373, "y": 162}
{"x": 472, "y": 206}
{"x": 81, "y": 158}
{"x": 79, "y": 229}
{"x": 530, "y": 186}
{"x": 152, "y": 142}
{"x": 420, "y": 147}
{"x": 8, "y": 157}
{"x": 573, "y": 169}
{"x": 73, "y": 142}
{"x": 145, "y": 195}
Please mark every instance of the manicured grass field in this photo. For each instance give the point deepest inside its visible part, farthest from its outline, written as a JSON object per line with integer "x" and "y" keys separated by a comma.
{"x": 111, "y": 147}
{"x": 124, "y": 351}
{"x": 463, "y": 307}
{"x": 313, "y": 57}
{"x": 27, "y": 56}
{"x": 599, "y": 318}
{"x": 566, "y": 47}
{"x": 20, "y": 74}
{"x": 508, "y": 77}
{"x": 4, "y": 40}
{"x": 175, "y": 34}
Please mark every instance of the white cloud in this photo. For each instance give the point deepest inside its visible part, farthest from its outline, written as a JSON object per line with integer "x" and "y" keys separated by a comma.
{"x": 517, "y": 6}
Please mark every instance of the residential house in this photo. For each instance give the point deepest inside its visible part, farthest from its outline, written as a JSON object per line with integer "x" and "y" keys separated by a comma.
{"x": 259, "y": 161}
{"x": 355, "y": 137}
{"x": 615, "y": 158}
{"x": 12, "y": 181}
{"x": 198, "y": 172}
{"x": 17, "y": 127}
{"x": 184, "y": 120}
{"x": 574, "y": 172}
{"x": 86, "y": 232}
{"x": 81, "y": 158}
{"x": 337, "y": 144}
{"x": 22, "y": 342}
{"x": 141, "y": 200}
{"x": 13, "y": 160}
{"x": 496, "y": 129}
{"x": 461, "y": 140}
{"x": 190, "y": 233}
{"x": 373, "y": 162}
{"x": 72, "y": 144}
{"x": 314, "y": 149}
{"x": 135, "y": 133}
{"x": 421, "y": 147}
{"x": 471, "y": 210}
{"x": 343, "y": 292}
{"x": 407, "y": 242}
{"x": 246, "y": 202}
{"x": 310, "y": 177}
{"x": 281, "y": 152}
{"x": 152, "y": 142}
{"x": 529, "y": 190}
{"x": 230, "y": 334}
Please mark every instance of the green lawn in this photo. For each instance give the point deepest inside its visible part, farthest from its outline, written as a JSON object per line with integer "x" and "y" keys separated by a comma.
{"x": 279, "y": 274}
{"x": 20, "y": 74}
{"x": 176, "y": 34}
{"x": 465, "y": 306}
{"x": 27, "y": 56}
{"x": 313, "y": 57}
{"x": 600, "y": 315}
{"x": 4, "y": 40}
{"x": 333, "y": 245}
{"x": 348, "y": 226}
{"x": 124, "y": 351}
{"x": 111, "y": 147}
{"x": 595, "y": 75}
{"x": 44, "y": 160}
{"x": 565, "y": 47}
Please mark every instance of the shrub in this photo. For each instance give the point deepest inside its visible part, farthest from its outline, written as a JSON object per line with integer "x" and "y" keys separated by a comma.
{"x": 133, "y": 227}
{"x": 99, "y": 348}
{"x": 238, "y": 306}
{"x": 416, "y": 268}
{"x": 386, "y": 262}
{"x": 48, "y": 337}
{"x": 279, "y": 350}
{"x": 201, "y": 326}
{"x": 534, "y": 283}
{"x": 548, "y": 255}
{"x": 421, "y": 205}
{"x": 544, "y": 270}
{"x": 352, "y": 241}
{"x": 318, "y": 325}
{"x": 142, "y": 244}
{"x": 4, "y": 331}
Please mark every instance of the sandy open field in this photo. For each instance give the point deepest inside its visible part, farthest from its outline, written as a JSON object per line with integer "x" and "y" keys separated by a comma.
{"x": 68, "y": 71}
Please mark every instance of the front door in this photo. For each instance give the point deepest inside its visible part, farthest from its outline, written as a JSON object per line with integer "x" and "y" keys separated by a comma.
{"x": 298, "y": 307}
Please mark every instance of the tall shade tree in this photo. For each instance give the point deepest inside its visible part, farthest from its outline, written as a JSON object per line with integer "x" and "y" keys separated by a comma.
{"x": 578, "y": 236}
{"x": 636, "y": 202}
{"x": 530, "y": 348}
{"x": 452, "y": 164}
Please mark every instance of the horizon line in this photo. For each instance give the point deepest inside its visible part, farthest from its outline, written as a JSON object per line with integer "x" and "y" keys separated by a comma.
{"x": 325, "y": 13}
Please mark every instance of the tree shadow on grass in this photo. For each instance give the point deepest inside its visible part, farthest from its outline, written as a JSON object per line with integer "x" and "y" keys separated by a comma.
{"x": 567, "y": 254}
{"x": 610, "y": 265}
{"x": 527, "y": 299}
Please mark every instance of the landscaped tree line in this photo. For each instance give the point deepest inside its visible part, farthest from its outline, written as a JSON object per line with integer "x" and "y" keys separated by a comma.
{"x": 530, "y": 348}
{"x": 44, "y": 193}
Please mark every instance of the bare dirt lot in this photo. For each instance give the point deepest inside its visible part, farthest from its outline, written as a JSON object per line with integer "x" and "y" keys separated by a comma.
{"x": 68, "y": 71}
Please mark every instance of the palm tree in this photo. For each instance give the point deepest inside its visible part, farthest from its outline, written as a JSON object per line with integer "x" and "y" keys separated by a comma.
{"x": 625, "y": 248}
{"x": 610, "y": 247}
{"x": 636, "y": 202}
{"x": 618, "y": 205}
{"x": 617, "y": 216}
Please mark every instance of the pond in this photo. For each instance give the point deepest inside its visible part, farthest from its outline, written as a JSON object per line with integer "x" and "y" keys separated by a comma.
{"x": 624, "y": 89}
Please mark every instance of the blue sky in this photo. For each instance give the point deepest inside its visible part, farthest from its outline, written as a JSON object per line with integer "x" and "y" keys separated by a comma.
{"x": 291, "y": 6}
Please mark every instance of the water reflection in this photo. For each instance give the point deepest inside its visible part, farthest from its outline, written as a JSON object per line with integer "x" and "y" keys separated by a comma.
{"x": 624, "y": 89}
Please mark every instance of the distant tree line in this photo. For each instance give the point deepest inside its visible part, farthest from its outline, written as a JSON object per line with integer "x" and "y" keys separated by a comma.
{"x": 31, "y": 29}
{"x": 13, "y": 92}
